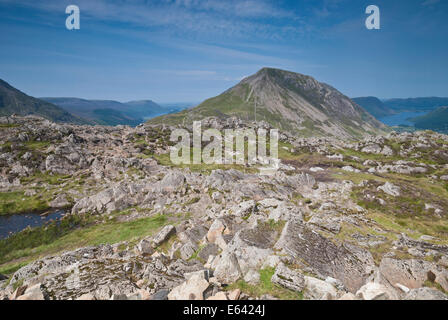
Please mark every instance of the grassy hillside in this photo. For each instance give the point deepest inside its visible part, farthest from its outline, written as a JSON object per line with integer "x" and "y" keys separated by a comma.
{"x": 13, "y": 101}
{"x": 436, "y": 120}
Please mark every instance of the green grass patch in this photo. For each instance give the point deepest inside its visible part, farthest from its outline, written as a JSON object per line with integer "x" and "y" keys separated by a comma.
{"x": 355, "y": 177}
{"x": 195, "y": 255}
{"x": 11, "y": 268}
{"x": 16, "y": 202}
{"x": 8, "y": 125}
{"x": 42, "y": 177}
{"x": 192, "y": 201}
{"x": 71, "y": 233}
{"x": 37, "y": 145}
{"x": 265, "y": 286}
{"x": 30, "y": 238}
{"x": 434, "y": 285}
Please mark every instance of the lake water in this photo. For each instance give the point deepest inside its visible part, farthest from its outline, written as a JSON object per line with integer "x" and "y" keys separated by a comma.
{"x": 18, "y": 222}
{"x": 401, "y": 118}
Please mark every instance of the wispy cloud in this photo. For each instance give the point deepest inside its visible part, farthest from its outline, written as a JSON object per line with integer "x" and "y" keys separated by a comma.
{"x": 245, "y": 8}
{"x": 233, "y": 18}
{"x": 430, "y": 2}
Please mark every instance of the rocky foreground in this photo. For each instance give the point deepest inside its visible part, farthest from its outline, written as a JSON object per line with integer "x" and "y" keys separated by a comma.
{"x": 340, "y": 219}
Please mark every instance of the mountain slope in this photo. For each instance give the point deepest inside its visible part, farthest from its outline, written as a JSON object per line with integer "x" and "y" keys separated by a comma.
{"x": 374, "y": 106}
{"x": 289, "y": 101}
{"x": 436, "y": 120}
{"x": 13, "y": 101}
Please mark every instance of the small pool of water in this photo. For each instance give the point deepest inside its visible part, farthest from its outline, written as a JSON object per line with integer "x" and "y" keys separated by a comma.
{"x": 18, "y": 222}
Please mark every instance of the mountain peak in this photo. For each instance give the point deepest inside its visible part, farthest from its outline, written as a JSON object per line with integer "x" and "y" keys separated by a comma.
{"x": 290, "y": 101}
{"x": 276, "y": 73}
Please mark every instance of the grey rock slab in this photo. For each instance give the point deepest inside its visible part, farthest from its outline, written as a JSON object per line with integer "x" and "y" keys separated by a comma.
{"x": 288, "y": 278}
{"x": 163, "y": 235}
{"x": 425, "y": 294}
{"x": 347, "y": 263}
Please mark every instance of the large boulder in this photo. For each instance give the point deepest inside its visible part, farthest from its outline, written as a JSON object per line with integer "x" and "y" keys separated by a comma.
{"x": 188, "y": 249}
{"x": 163, "y": 235}
{"x": 413, "y": 273}
{"x": 252, "y": 246}
{"x": 216, "y": 230}
{"x": 390, "y": 189}
{"x": 59, "y": 165}
{"x": 221, "y": 231}
{"x": 374, "y": 291}
{"x": 60, "y": 202}
{"x": 172, "y": 181}
{"x": 244, "y": 209}
{"x": 119, "y": 197}
{"x": 285, "y": 212}
{"x": 288, "y": 278}
{"x": 192, "y": 289}
{"x": 144, "y": 247}
{"x": 221, "y": 179}
{"x": 102, "y": 272}
{"x": 372, "y": 148}
{"x": 227, "y": 269}
{"x": 208, "y": 250}
{"x": 36, "y": 292}
{"x": 317, "y": 289}
{"x": 194, "y": 234}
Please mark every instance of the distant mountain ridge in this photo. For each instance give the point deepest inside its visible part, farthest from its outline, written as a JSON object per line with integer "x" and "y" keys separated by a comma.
{"x": 13, "y": 101}
{"x": 416, "y": 104}
{"x": 436, "y": 108}
{"x": 290, "y": 101}
{"x": 110, "y": 112}
{"x": 374, "y": 106}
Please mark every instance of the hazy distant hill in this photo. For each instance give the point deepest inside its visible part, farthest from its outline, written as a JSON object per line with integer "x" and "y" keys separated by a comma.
{"x": 106, "y": 112}
{"x": 113, "y": 117}
{"x": 287, "y": 100}
{"x": 416, "y": 104}
{"x": 13, "y": 101}
{"x": 436, "y": 120}
{"x": 112, "y": 112}
{"x": 374, "y": 106}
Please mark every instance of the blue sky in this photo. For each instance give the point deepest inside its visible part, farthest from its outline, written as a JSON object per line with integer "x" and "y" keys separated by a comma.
{"x": 190, "y": 50}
